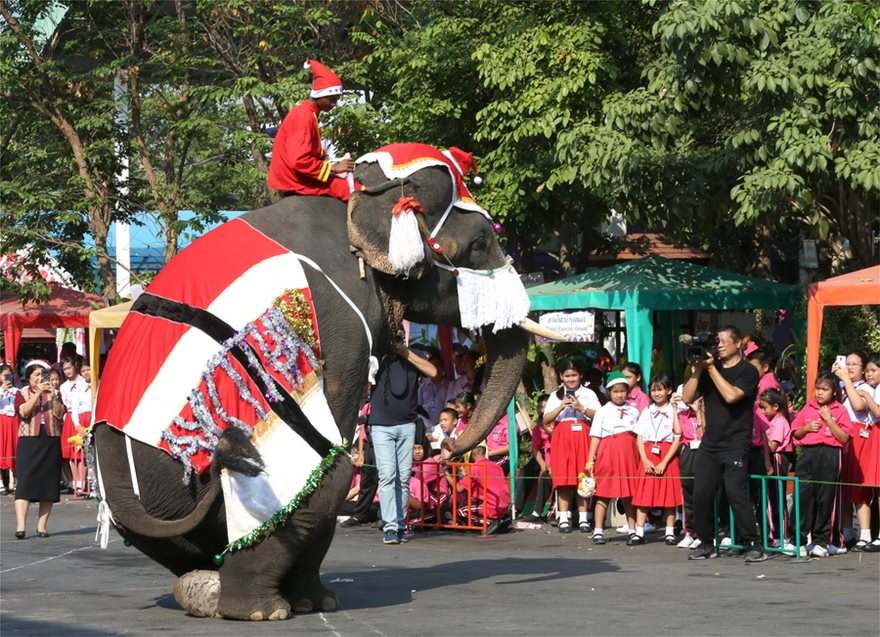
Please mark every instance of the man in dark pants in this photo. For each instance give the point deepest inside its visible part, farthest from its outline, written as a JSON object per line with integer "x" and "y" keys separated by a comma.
{"x": 728, "y": 387}
{"x": 363, "y": 508}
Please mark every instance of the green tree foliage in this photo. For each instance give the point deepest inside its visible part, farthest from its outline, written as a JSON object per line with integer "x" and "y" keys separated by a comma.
{"x": 506, "y": 80}
{"x": 755, "y": 117}
{"x": 759, "y": 113}
{"x": 57, "y": 158}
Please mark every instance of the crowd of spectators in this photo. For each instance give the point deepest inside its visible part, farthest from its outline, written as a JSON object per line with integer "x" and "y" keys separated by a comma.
{"x": 661, "y": 454}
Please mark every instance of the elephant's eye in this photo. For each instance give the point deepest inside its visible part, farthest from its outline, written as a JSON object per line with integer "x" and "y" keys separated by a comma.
{"x": 480, "y": 244}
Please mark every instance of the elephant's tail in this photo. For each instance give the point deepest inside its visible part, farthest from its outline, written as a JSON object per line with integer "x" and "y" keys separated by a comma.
{"x": 233, "y": 451}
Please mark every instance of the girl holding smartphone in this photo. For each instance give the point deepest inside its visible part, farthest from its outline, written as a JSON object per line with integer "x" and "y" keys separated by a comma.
{"x": 571, "y": 407}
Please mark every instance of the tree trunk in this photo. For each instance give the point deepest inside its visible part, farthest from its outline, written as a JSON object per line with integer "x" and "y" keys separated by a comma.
{"x": 548, "y": 368}
{"x": 99, "y": 225}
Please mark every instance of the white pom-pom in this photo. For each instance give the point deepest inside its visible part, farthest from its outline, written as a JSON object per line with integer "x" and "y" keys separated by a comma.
{"x": 478, "y": 180}
{"x": 405, "y": 246}
{"x": 306, "y": 65}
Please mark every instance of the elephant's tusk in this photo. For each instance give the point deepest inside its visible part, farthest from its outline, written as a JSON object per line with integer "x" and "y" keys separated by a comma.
{"x": 531, "y": 327}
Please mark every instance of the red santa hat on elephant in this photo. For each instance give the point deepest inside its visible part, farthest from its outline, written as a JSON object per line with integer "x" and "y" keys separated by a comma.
{"x": 326, "y": 82}
{"x": 398, "y": 161}
{"x": 464, "y": 162}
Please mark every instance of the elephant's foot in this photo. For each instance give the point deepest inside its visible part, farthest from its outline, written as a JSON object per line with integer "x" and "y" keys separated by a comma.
{"x": 314, "y": 600}
{"x": 254, "y": 609}
{"x": 198, "y": 593}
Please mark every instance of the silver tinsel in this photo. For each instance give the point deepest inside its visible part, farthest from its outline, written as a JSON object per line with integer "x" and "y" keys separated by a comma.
{"x": 204, "y": 430}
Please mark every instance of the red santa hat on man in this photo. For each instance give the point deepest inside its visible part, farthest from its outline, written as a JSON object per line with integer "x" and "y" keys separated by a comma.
{"x": 326, "y": 81}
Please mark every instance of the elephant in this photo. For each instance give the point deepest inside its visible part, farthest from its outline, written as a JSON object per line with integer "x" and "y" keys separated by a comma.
{"x": 181, "y": 524}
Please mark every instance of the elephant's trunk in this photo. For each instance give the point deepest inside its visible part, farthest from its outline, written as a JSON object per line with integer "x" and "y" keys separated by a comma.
{"x": 505, "y": 359}
{"x": 129, "y": 513}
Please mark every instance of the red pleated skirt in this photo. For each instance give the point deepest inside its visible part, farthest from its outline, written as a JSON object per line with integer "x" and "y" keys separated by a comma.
{"x": 68, "y": 429}
{"x": 8, "y": 441}
{"x": 860, "y": 466}
{"x": 617, "y": 466}
{"x": 569, "y": 452}
{"x": 659, "y": 491}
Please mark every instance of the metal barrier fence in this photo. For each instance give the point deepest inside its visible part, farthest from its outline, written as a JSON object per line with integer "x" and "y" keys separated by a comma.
{"x": 765, "y": 533}
{"x": 437, "y": 507}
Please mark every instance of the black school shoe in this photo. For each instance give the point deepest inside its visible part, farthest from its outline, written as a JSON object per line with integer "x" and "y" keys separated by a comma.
{"x": 350, "y": 522}
{"x": 755, "y": 553}
{"x": 599, "y": 538}
{"x": 565, "y": 527}
{"x": 635, "y": 540}
{"x": 702, "y": 552}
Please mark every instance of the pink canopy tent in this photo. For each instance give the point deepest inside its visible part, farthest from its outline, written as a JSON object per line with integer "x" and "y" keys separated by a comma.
{"x": 64, "y": 308}
{"x": 856, "y": 288}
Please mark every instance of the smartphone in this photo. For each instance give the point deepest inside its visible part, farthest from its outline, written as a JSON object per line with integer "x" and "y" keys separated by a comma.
{"x": 7, "y": 377}
{"x": 45, "y": 376}
{"x": 841, "y": 362}
{"x": 570, "y": 393}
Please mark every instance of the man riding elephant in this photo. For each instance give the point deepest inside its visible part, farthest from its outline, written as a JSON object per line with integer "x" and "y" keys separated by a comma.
{"x": 299, "y": 163}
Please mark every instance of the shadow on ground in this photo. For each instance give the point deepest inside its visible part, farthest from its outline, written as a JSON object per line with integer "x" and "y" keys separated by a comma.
{"x": 14, "y": 626}
{"x": 396, "y": 584}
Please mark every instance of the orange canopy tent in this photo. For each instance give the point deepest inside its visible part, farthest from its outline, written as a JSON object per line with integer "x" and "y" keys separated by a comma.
{"x": 856, "y": 288}
{"x": 64, "y": 308}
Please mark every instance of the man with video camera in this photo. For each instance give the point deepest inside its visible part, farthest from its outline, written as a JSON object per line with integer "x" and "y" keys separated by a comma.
{"x": 727, "y": 382}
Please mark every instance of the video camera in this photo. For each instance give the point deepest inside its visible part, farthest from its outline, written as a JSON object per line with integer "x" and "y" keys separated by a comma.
{"x": 698, "y": 346}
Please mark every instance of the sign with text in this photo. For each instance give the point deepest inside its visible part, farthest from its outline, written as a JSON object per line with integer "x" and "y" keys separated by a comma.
{"x": 577, "y": 327}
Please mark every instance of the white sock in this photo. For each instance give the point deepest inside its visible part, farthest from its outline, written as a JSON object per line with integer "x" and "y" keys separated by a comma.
{"x": 670, "y": 530}
{"x": 865, "y": 535}
{"x": 564, "y": 516}
{"x": 598, "y": 531}
{"x": 582, "y": 517}
{"x": 640, "y": 531}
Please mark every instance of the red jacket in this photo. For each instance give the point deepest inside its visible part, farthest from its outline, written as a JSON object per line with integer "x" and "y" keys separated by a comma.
{"x": 298, "y": 158}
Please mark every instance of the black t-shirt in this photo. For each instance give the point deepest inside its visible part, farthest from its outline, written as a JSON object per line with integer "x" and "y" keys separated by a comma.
{"x": 395, "y": 398}
{"x": 729, "y": 427}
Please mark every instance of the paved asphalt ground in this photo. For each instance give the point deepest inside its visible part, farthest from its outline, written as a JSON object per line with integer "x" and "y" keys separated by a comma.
{"x": 531, "y": 582}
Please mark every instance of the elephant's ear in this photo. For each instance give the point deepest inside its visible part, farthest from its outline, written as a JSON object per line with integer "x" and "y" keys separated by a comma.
{"x": 389, "y": 221}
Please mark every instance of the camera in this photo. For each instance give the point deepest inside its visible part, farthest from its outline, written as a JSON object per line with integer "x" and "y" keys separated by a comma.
{"x": 399, "y": 340}
{"x": 697, "y": 347}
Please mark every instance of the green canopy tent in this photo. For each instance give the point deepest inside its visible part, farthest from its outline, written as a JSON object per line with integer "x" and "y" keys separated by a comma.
{"x": 653, "y": 283}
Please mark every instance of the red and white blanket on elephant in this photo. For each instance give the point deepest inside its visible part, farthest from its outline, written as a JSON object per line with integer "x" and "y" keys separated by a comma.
{"x": 239, "y": 348}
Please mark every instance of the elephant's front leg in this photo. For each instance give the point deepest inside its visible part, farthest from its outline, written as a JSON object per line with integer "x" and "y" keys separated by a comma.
{"x": 302, "y": 586}
{"x": 250, "y": 579}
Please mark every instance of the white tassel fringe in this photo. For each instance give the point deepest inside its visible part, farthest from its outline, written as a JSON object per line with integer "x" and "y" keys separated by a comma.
{"x": 405, "y": 245}
{"x": 498, "y": 298}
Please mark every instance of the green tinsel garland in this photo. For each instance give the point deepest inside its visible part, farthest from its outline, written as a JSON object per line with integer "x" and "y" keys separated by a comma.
{"x": 268, "y": 527}
{"x": 298, "y": 314}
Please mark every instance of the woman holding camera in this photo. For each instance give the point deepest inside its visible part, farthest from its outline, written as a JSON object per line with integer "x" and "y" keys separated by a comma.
{"x": 571, "y": 407}
{"x": 38, "y": 452}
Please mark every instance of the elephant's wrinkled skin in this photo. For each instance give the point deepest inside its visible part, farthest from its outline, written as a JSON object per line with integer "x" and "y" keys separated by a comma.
{"x": 182, "y": 526}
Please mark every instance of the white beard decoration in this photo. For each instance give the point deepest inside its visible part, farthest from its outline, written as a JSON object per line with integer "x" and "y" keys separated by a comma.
{"x": 490, "y": 296}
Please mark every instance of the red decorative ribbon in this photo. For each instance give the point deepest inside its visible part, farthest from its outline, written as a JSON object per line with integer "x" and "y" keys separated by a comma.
{"x": 406, "y": 203}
